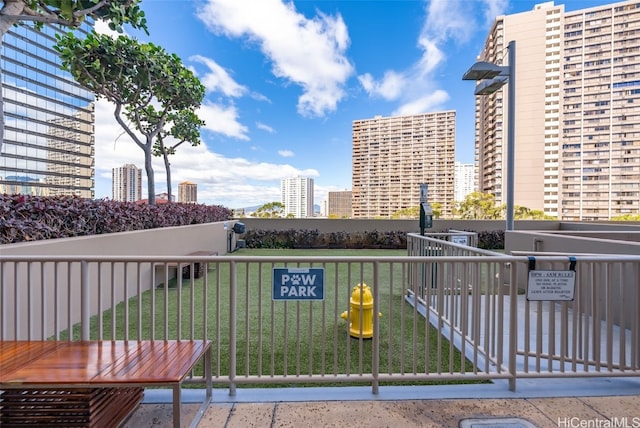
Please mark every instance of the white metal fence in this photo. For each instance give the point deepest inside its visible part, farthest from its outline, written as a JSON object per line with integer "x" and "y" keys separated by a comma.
{"x": 461, "y": 314}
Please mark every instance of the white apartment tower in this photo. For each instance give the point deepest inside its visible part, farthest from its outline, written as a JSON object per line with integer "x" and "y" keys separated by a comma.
{"x": 126, "y": 183}
{"x": 465, "y": 180}
{"x": 296, "y": 194}
{"x": 392, "y": 156}
{"x": 577, "y": 112}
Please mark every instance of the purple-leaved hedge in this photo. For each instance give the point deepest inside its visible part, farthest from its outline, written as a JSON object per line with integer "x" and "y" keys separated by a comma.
{"x": 31, "y": 218}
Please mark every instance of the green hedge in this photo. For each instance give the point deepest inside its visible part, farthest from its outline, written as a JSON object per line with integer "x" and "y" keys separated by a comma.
{"x": 295, "y": 238}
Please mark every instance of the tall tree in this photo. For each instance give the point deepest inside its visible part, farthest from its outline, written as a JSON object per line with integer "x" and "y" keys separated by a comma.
{"x": 67, "y": 13}
{"x": 524, "y": 213}
{"x": 414, "y": 212}
{"x": 184, "y": 126}
{"x": 148, "y": 86}
{"x": 270, "y": 210}
{"x": 479, "y": 206}
{"x": 411, "y": 212}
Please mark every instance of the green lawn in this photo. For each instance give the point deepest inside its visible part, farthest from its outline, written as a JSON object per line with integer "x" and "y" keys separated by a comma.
{"x": 305, "y": 337}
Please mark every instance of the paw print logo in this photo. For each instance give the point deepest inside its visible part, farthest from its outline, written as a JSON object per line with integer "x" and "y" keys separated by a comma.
{"x": 295, "y": 280}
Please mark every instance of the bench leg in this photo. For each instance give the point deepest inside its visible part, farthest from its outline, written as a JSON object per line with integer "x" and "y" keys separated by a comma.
{"x": 177, "y": 394}
{"x": 177, "y": 405}
{"x": 208, "y": 373}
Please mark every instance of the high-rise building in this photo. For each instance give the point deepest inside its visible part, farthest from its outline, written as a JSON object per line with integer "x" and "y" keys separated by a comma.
{"x": 48, "y": 144}
{"x": 577, "y": 111}
{"x": 296, "y": 194}
{"x": 126, "y": 183}
{"x": 464, "y": 180}
{"x": 392, "y": 156}
{"x": 188, "y": 192}
{"x": 339, "y": 204}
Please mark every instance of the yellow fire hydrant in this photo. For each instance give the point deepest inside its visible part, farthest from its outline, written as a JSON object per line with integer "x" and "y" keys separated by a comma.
{"x": 361, "y": 302}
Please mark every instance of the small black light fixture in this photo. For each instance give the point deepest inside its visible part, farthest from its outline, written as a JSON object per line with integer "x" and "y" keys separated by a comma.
{"x": 238, "y": 228}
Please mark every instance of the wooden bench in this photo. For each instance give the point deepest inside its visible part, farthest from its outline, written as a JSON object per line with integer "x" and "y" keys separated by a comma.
{"x": 49, "y": 381}
{"x": 172, "y": 267}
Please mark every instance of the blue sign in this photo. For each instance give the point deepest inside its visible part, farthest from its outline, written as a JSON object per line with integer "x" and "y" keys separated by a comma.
{"x": 298, "y": 284}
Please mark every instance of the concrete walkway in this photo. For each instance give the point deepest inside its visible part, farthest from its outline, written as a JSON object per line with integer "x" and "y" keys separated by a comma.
{"x": 566, "y": 403}
{"x": 485, "y": 413}
{"x": 536, "y": 403}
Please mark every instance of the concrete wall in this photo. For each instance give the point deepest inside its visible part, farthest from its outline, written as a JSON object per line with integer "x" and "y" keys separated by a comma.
{"x": 22, "y": 285}
{"x": 606, "y": 226}
{"x": 169, "y": 241}
{"x": 585, "y": 242}
{"x": 413, "y": 226}
{"x": 30, "y": 288}
{"x": 589, "y": 238}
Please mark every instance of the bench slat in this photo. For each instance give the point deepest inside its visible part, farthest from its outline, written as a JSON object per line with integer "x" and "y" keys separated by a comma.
{"x": 155, "y": 362}
{"x": 75, "y": 370}
{"x": 103, "y": 362}
{"x": 67, "y": 363}
{"x": 15, "y": 355}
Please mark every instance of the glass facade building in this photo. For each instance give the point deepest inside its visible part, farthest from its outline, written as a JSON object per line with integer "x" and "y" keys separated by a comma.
{"x": 48, "y": 145}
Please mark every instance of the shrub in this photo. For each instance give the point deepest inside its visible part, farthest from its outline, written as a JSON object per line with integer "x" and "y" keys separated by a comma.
{"x": 491, "y": 240}
{"x": 30, "y": 218}
{"x": 314, "y": 239}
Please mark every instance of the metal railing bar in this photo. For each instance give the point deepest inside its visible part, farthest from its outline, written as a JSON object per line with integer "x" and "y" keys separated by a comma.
{"x": 468, "y": 300}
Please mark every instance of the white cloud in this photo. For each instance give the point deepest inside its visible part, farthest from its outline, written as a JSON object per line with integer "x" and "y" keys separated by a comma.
{"x": 289, "y": 39}
{"x": 232, "y": 182}
{"x": 429, "y": 102}
{"x": 431, "y": 58}
{"x": 102, "y": 27}
{"x": 217, "y": 79}
{"x": 286, "y": 153}
{"x": 446, "y": 21}
{"x": 223, "y": 120}
{"x": 265, "y": 127}
{"x": 493, "y": 9}
{"x": 389, "y": 88}
{"x": 449, "y": 19}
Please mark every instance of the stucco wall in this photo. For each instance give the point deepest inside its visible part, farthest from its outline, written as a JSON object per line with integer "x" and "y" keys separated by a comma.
{"x": 548, "y": 236}
{"x": 599, "y": 239}
{"x": 174, "y": 241}
{"x": 575, "y": 240}
{"x": 31, "y": 285}
{"x": 413, "y": 226}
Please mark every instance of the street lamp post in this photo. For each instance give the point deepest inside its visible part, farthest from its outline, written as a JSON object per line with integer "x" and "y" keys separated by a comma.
{"x": 492, "y": 77}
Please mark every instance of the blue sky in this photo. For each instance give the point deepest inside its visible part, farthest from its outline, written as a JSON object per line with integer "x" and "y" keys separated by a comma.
{"x": 286, "y": 79}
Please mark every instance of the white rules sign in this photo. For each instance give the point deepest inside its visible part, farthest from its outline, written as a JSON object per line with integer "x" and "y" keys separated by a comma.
{"x": 554, "y": 285}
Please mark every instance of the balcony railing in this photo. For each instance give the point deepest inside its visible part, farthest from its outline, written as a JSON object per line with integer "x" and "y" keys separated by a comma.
{"x": 446, "y": 312}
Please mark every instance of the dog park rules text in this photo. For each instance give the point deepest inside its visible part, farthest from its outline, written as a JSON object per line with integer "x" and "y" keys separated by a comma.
{"x": 551, "y": 285}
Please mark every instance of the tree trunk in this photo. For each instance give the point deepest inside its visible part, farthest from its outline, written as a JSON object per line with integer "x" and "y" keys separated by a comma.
{"x": 148, "y": 154}
{"x": 167, "y": 167}
{"x": 151, "y": 186}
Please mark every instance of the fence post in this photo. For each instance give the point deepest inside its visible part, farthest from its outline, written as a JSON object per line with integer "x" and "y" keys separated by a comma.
{"x": 232, "y": 326}
{"x": 513, "y": 325}
{"x": 375, "y": 364}
{"x": 84, "y": 302}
